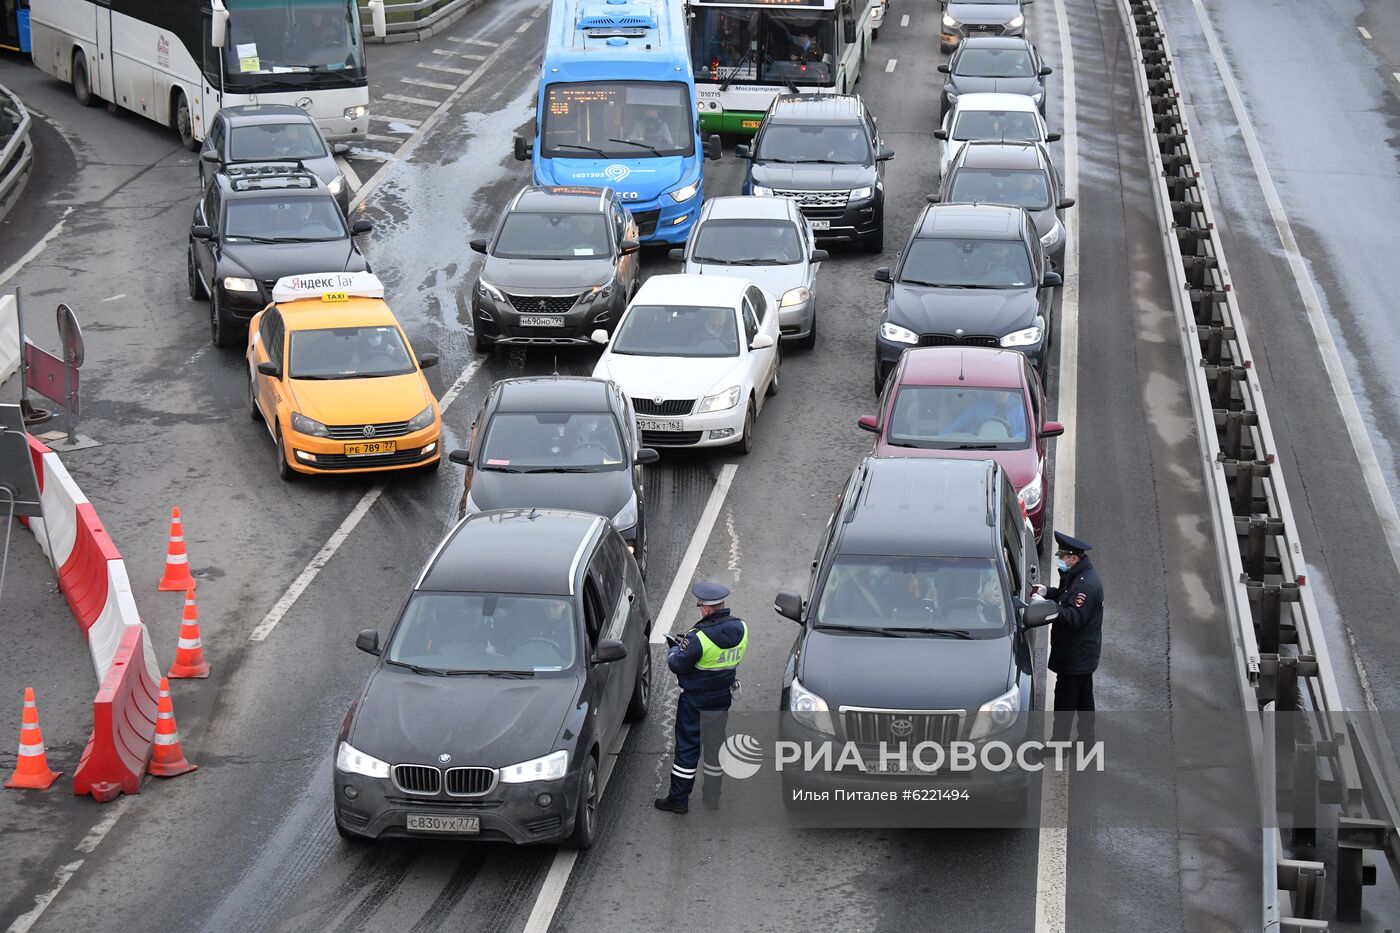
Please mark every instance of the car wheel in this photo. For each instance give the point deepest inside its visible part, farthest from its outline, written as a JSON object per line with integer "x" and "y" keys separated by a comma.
{"x": 586, "y": 816}
{"x": 746, "y": 441}
{"x": 184, "y": 122}
{"x": 284, "y": 469}
{"x": 641, "y": 692}
{"x": 809, "y": 341}
{"x": 197, "y": 290}
{"x": 433, "y": 467}
{"x": 642, "y": 556}
{"x": 82, "y": 86}
{"x": 223, "y": 329}
{"x": 480, "y": 342}
{"x": 875, "y": 242}
{"x": 254, "y": 412}
{"x": 777, "y": 371}
{"x": 350, "y": 837}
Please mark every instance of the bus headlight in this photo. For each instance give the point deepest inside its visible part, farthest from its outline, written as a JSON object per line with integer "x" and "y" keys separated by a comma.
{"x": 355, "y": 112}
{"x": 681, "y": 195}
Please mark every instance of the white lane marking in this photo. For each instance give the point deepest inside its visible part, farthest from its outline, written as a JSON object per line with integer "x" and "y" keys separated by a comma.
{"x": 65, "y": 873}
{"x": 420, "y": 101}
{"x": 472, "y": 55}
{"x": 1381, "y": 499}
{"x": 372, "y": 154}
{"x": 521, "y": 28}
{"x": 1365, "y": 33}
{"x": 671, "y": 607}
{"x": 434, "y": 66}
{"x": 351, "y": 176}
{"x": 542, "y": 914}
{"x": 115, "y": 297}
{"x": 889, "y": 65}
{"x": 391, "y": 120}
{"x": 1395, "y": 75}
{"x": 483, "y": 42}
{"x": 36, "y": 249}
{"x": 1052, "y": 851}
{"x": 376, "y": 138}
{"x": 904, "y": 20}
{"x": 337, "y": 538}
{"x": 435, "y": 85}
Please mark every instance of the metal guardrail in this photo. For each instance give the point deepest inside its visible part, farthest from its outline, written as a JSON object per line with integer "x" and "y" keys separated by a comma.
{"x": 17, "y": 153}
{"x": 1314, "y": 770}
{"x": 428, "y": 17}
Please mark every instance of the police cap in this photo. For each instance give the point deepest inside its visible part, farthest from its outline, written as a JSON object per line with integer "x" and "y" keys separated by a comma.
{"x": 1072, "y": 544}
{"x": 709, "y": 594}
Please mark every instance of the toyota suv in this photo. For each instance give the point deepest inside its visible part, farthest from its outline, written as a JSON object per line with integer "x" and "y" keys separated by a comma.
{"x": 915, "y": 622}
{"x": 823, "y": 151}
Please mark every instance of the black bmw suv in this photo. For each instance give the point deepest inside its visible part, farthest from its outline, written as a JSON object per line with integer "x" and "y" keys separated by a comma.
{"x": 255, "y": 224}
{"x": 825, "y": 152}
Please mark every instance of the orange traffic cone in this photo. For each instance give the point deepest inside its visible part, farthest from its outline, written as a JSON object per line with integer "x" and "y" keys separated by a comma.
{"x": 32, "y": 767}
{"x": 177, "y": 562}
{"x": 189, "y": 654}
{"x": 167, "y": 758}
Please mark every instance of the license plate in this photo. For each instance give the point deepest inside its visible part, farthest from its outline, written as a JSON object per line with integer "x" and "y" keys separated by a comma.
{"x": 537, "y": 320}
{"x": 371, "y": 449}
{"x": 896, "y": 766}
{"x": 749, "y": 124}
{"x": 821, "y": 225}
{"x": 444, "y": 824}
{"x": 646, "y": 424}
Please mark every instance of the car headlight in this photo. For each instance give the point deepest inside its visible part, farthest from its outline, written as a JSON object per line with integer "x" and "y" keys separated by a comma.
{"x": 949, "y": 22}
{"x": 1031, "y": 493}
{"x": 627, "y": 517}
{"x": 424, "y": 419}
{"x": 235, "y": 284}
{"x": 551, "y": 767}
{"x": 337, "y": 185}
{"x": 808, "y": 708}
{"x": 950, "y": 92}
{"x": 762, "y": 192}
{"x": 1016, "y": 22}
{"x": 1038, "y": 97}
{"x": 896, "y": 334}
{"x": 600, "y": 292}
{"x": 680, "y": 195}
{"x": 1056, "y": 234}
{"x": 720, "y": 400}
{"x": 996, "y": 715}
{"x": 1027, "y": 337}
{"x": 487, "y": 290}
{"x": 795, "y": 296}
{"x": 860, "y": 194}
{"x": 354, "y": 113}
{"x": 304, "y": 425}
{"x": 351, "y": 760}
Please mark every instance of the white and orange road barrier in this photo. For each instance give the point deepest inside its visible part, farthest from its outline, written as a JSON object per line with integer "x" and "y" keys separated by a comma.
{"x": 177, "y": 576}
{"x": 167, "y": 758}
{"x": 32, "y": 768}
{"x": 189, "y": 654}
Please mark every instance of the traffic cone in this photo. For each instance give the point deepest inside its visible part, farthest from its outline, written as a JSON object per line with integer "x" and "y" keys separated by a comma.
{"x": 32, "y": 767}
{"x": 189, "y": 654}
{"x": 177, "y": 563}
{"x": 167, "y": 758}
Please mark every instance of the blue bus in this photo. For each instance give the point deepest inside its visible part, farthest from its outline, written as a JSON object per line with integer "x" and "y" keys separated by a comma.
{"x": 617, "y": 108}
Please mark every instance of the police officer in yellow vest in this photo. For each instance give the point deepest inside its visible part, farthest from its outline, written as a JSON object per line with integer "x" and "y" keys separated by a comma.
{"x": 705, "y": 661}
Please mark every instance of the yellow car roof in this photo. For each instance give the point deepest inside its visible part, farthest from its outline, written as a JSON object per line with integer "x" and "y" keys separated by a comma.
{"x": 315, "y": 314}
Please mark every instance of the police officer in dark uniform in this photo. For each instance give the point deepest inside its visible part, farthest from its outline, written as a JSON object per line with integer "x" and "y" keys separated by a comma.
{"x": 705, "y": 661}
{"x": 1076, "y": 638}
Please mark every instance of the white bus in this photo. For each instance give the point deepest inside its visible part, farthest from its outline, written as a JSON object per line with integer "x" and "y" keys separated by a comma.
{"x": 179, "y": 61}
{"x": 746, "y": 53}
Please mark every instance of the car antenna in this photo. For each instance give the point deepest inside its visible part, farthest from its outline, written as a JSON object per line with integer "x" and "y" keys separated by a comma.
{"x": 961, "y": 378}
{"x": 556, "y": 364}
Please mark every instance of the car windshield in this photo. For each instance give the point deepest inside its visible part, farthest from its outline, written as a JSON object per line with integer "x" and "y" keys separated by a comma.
{"x": 952, "y": 262}
{"x": 540, "y": 235}
{"x": 747, "y": 243}
{"x": 995, "y": 63}
{"x": 617, "y": 120}
{"x": 269, "y": 142}
{"x": 296, "y": 220}
{"x": 843, "y": 144}
{"x": 914, "y": 593}
{"x": 289, "y": 42}
{"x": 349, "y": 353}
{"x": 1014, "y": 188}
{"x": 1016, "y": 126}
{"x": 953, "y": 417}
{"x": 548, "y": 442}
{"x": 473, "y": 633}
{"x": 677, "y": 330}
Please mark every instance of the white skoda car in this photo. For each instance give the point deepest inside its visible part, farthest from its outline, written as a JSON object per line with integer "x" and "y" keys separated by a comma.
{"x": 697, "y": 355}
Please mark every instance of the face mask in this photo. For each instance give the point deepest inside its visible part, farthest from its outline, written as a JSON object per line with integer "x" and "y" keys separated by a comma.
{"x": 1060, "y": 563}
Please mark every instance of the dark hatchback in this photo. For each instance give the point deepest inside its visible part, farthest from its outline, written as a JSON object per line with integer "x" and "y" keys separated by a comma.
{"x": 560, "y": 442}
{"x": 521, "y": 651}
{"x": 272, "y": 133}
{"x": 913, "y": 630}
{"x": 986, "y": 64}
{"x": 970, "y": 275}
{"x": 1014, "y": 175}
{"x": 256, "y": 224}
{"x": 824, "y": 152}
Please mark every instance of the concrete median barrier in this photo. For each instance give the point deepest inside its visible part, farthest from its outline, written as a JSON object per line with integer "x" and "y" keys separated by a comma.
{"x": 123, "y": 723}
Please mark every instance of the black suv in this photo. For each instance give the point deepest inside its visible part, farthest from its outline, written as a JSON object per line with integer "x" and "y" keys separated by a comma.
{"x": 971, "y": 275}
{"x": 255, "y": 224}
{"x": 562, "y": 263}
{"x": 914, "y": 623}
{"x": 824, "y": 151}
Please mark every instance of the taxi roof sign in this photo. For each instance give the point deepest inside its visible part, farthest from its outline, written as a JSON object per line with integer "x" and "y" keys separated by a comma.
{"x": 319, "y": 284}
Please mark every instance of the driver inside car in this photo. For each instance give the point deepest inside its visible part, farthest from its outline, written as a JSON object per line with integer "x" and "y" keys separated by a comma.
{"x": 994, "y": 407}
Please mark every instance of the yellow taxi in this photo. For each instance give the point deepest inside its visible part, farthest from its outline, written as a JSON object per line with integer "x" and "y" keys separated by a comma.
{"x": 334, "y": 378}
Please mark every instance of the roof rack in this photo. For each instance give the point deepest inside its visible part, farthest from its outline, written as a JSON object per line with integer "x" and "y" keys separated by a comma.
{"x": 290, "y": 173}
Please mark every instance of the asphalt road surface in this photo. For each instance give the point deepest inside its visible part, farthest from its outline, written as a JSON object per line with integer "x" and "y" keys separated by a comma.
{"x": 246, "y": 843}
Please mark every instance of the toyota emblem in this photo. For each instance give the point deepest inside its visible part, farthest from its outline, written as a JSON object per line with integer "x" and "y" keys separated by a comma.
{"x": 902, "y": 728}
{"x": 368, "y": 430}
{"x": 304, "y": 103}
{"x": 444, "y": 758}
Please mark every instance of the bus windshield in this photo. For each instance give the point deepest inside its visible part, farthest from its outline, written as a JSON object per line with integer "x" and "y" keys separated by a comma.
{"x": 295, "y": 40}
{"x": 617, "y": 120}
{"x": 742, "y": 46}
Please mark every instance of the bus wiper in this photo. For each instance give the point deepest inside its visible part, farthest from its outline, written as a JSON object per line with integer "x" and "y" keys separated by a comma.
{"x": 633, "y": 142}
{"x": 593, "y": 149}
{"x": 724, "y": 86}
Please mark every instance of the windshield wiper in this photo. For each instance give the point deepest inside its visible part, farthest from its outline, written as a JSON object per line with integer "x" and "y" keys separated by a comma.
{"x": 593, "y": 149}
{"x": 563, "y": 469}
{"x": 305, "y": 239}
{"x": 418, "y": 669}
{"x": 252, "y": 239}
{"x": 633, "y": 142}
{"x": 504, "y": 469}
{"x": 949, "y": 632}
{"x": 977, "y": 447}
{"x": 863, "y": 629}
{"x": 511, "y": 674}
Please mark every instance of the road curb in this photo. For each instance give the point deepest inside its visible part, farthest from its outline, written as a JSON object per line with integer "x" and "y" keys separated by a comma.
{"x": 447, "y": 20}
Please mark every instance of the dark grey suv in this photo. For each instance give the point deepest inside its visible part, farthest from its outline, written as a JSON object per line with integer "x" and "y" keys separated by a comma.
{"x": 1016, "y": 175}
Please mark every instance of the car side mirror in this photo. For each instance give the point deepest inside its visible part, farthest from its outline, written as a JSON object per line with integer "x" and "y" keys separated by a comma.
{"x": 945, "y": 69}
{"x": 340, "y": 149}
{"x": 934, "y": 198}
{"x": 211, "y": 156}
{"x": 714, "y": 149}
{"x": 478, "y": 245}
{"x": 428, "y": 360}
{"x": 1064, "y": 203}
{"x": 202, "y": 231}
{"x": 629, "y": 247}
{"x": 743, "y": 151}
{"x": 1046, "y": 70}
{"x": 1052, "y": 280}
{"x": 819, "y": 255}
{"x": 676, "y": 255}
{"x": 362, "y": 225}
{"x": 269, "y": 368}
{"x": 522, "y": 149}
{"x": 599, "y": 336}
{"x": 868, "y": 423}
{"x": 368, "y": 641}
{"x": 788, "y": 605}
{"x": 761, "y": 342}
{"x": 1051, "y": 429}
{"x": 882, "y": 274}
{"x": 609, "y": 650}
{"x": 885, "y": 154}
{"x": 647, "y": 455}
{"x": 1039, "y": 613}
{"x": 461, "y": 457}
{"x": 1052, "y": 137}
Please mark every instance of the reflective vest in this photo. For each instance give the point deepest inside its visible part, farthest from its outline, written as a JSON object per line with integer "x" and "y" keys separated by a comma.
{"x": 715, "y": 658}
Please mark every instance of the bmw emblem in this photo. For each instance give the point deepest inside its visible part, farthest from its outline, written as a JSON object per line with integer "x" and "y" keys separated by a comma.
{"x": 902, "y": 728}
{"x": 444, "y": 758}
{"x": 368, "y": 430}
{"x": 959, "y": 331}
{"x": 304, "y": 103}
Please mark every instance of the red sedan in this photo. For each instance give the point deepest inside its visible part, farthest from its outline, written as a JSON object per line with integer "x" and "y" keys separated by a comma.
{"x": 971, "y": 403}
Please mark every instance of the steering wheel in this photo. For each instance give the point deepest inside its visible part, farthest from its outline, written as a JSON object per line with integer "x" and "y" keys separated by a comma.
{"x": 592, "y": 445}
{"x": 996, "y": 419}
{"x": 554, "y": 649}
{"x": 389, "y": 357}
{"x": 964, "y": 602}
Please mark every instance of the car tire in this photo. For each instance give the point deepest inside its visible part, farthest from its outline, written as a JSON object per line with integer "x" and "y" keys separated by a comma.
{"x": 197, "y": 289}
{"x": 480, "y": 342}
{"x": 284, "y": 469}
{"x": 183, "y": 122}
{"x": 778, "y": 371}
{"x": 223, "y": 329}
{"x": 642, "y": 560}
{"x": 586, "y": 814}
{"x": 875, "y": 34}
{"x": 82, "y": 84}
{"x": 809, "y": 341}
{"x": 254, "y": 412}
{"x": 641, "y": 691}
{"x": 430, "y": 468}
{"x": 875, "y": 242}
{"x": 746, "y": 440}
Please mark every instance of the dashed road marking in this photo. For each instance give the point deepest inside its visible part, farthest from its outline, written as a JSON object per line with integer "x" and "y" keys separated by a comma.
{"x": 36, "y": 249}
{"x": 351, "y": 176}
{"x": 1365, "y": 33}
{"x": 434, "y": 66}
{"x": 420, "y": 101}
{"x": 522, "y": 27}
{"x": 889, "y": 65}
{"x": 376, "y": 138}
{"x": 65, "y": 873}
{"x": 904, "y": 20}
{"x": 435, "y": 85}
{"x": 372, "y": 154}
{"x": 377, "y": 118}
{"x": 115, "y": 297}
{"x": 465, "y": 41}
{"x": 681, "y": 584}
